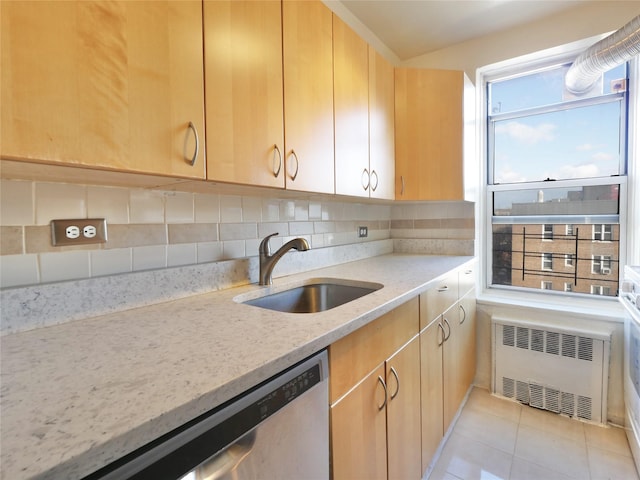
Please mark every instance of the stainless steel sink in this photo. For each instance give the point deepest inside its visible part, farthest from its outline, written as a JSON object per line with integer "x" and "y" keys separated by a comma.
{"x": 314, "y": 296}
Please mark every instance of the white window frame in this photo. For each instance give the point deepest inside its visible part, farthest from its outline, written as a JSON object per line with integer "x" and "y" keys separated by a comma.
{"x": 629, "y": 216}
{"x": 599, "y": 290}
{"x": 569, "y": 260}
{"x": 547, "y": 258}
{"x": 569, "y": 229}
{"x": 547, "y": 236}
{"x": 601, "y": 264}
{"x": 546, "y": 285}
{"x": 602, "y": 232}
{"x": 568, "y": 287}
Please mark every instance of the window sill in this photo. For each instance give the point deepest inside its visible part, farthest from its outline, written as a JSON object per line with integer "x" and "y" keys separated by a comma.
{"x": 607, "y": 309}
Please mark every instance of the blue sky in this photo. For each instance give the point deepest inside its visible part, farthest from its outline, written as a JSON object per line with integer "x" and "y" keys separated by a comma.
{"x": 578, "y": 143}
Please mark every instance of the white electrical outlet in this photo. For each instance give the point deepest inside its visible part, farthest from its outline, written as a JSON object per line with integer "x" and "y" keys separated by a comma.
{"x": 78, "y": 231}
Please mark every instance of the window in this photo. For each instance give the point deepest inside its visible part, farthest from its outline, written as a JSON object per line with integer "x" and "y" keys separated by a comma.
{"x": 556, "y": 171}
{"x": 602, "y": 233}
{"x": 601, "y": 264}
{"x": 569, "y": 260}
{"x": 544, "y": 285}
{"x": 599, "y": 290}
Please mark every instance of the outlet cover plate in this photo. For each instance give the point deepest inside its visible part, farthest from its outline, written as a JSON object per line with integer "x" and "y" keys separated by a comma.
{"x": 363, "y": 232}
{"x": 78, "y": 231}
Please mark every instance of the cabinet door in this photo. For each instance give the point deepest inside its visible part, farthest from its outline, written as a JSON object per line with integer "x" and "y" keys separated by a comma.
{"x": 403, "y": 412}
{"x": 308, "y": 96}
{"x": 467, "y": 319}
{"x": 358, "y": 431}
{"x": 438, "y": 299}
{"x": 431, "y": 380}
{"x": 351, "y": 105}
{"x": 381, "y": 127}
{"x": 244, "y": 98}
{"x": 429, "y": 134}
{"x": 104, "y": 84}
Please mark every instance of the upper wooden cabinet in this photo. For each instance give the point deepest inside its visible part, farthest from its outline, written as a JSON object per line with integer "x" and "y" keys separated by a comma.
{"x": 381, "y": 127}
{"x": 308, "y": 96}
{"x": 351, "y": 105}
{"x": 115, "y": 85}
{"x": 430, "y": 133}
{"x": 244, "y": 97}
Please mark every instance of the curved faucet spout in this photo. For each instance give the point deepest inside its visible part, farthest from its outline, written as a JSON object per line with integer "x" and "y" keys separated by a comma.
{"x": 268, "y": 261}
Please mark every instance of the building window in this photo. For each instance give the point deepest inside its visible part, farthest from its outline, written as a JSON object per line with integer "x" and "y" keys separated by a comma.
{"x": 556, "y": 162}
{"x": 568, "y": 287}
{"x": 599, "y": 290}
{"x": 544, "y": 285}
{"x": 569, "y": 260}
{"x": 601, "y": 264}
{"x": 602, "y": 233}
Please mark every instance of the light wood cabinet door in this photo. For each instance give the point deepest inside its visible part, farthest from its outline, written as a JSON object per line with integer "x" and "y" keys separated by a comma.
{"x": 351, "y": 106}
{"x": 244, "y": 97}
{"x": 110, "y": 85}
{"x": 467, "y": 319}
{"x": 429, "y": 133}
{"x": 431, "y": 381}
{"x": 308, "y": 96}
{"x": 437, "y": 299}
{"x": 403, "y": 412}
{"x": 381, "y": 127}
{"x": 358, "y": 431}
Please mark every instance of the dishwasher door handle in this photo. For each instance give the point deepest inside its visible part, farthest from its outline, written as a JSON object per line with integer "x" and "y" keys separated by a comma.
{"x": 225, "y": 462}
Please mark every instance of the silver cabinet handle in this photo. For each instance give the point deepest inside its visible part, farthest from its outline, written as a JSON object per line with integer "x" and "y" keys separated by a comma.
{"x": 276, "y": 171}
{"x": 443, "y": 334}
{"x": 448, "y": 327}
{"x": 395, "y": 374}
{"x": 384, "y": 386}
{"x": 464, "y": 314}
{"x": 192, "y": 160}
{"x": 402, "y": 184}
{"x": 367, "y": 177}
{"x": 293, "y": 153}
{"x": 374, "y": 186}
{"x": 444, "y": 288}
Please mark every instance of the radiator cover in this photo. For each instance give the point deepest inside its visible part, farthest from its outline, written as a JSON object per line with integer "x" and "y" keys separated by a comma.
{"x": 563, "y": 370}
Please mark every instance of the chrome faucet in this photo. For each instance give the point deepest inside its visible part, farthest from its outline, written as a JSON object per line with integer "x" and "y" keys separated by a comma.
{"x": 268, "y": 261}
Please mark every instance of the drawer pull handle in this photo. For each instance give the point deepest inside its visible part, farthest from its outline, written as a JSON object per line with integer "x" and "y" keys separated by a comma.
{"x": 444, "y": 288}
{"x": 384, "y": 386}
{"x": 448, "y": 327}
{"x": 192, "y": 160}
{"x": 295, "y": 156}
{"x": 395, "y": 374}
{"x": 464, "y": 314}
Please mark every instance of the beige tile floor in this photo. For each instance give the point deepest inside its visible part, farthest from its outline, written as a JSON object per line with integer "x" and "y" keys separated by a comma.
{"x": 496, "y": 439}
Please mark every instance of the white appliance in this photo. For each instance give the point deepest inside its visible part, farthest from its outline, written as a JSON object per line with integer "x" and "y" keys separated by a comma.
{"x": 630, "y": 298}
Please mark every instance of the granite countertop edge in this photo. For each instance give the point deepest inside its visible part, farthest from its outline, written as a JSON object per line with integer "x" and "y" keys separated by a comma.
{"x": 80, "y": 395}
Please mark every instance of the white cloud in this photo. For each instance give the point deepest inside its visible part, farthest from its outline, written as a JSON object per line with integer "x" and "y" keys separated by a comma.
{"x": 507, "y": 175}
{"x": 602, "y": 157}
{"x": 526, "y": 133}
{"x": 579, "y": 171}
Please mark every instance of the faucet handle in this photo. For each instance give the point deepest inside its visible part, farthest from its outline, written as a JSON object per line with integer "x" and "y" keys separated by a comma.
{"x": 264, "y": 244}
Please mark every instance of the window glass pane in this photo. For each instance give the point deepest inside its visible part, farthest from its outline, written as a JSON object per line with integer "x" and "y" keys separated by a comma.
{"x": 546, "y": 88}
{"x": 576, "y": 143}
{"x": 580, "y": 200}
{"x": 523, "y": 258}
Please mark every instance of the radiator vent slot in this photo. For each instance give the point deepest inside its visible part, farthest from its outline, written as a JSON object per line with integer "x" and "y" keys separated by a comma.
{"x": 556, "y": 370}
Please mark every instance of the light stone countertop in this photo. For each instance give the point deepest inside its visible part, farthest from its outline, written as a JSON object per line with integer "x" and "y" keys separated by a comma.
{"x": 77, "y": 396}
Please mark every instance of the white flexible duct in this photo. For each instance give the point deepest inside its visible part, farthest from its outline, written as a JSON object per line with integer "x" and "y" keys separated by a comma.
{"x": 609, "y": 52}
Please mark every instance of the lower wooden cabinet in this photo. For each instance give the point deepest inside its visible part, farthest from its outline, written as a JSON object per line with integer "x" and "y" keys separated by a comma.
{"x": 448, "y": 364}
{"x": 375, "y": 417}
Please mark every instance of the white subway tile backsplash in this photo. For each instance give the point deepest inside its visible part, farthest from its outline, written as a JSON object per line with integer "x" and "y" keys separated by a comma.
{"x": 251, "y": 247}
{"x": 207, "y": 208}
{"x": 109, "y": 203}
{"x": 149, "y": 257}
{"x": 17, "y": 270}
{"x": 280, "y": 228}
{"x": 181, "y": 254}
{"x": 179, "y": 207}
{"x": 300, "y": 228}
{"x": 59, "y": 200}
{"x": 251, "y": 209}
{"x": 146, "y": 206}
{"x": 16, "y": 203}
{"x": 56, "y": 267}
{"x": 233, "y": 249}
{"x": 109, "y": 262}
{"x": 315, "y": 211}
{"x": 287, "y": 210}
{"x": 209, "y": 252}
{"x": 238, "y": 231}
{"x": 230, "y": 208}
{"x": 301, "y": 212}
{"x": 270, "y": 210}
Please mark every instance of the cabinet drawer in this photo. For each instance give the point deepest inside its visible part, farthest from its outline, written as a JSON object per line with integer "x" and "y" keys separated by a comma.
{"x": 353, "y": 357}
{"x": 438, "y": 299}
{"x": 467, "y": 279}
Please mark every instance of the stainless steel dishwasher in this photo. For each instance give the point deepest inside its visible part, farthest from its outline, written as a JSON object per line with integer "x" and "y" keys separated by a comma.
{"x": 277, "y": 431}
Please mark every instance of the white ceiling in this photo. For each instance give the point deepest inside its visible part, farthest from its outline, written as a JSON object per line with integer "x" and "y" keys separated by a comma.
{"x": 411, "y": 28}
